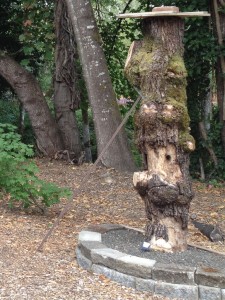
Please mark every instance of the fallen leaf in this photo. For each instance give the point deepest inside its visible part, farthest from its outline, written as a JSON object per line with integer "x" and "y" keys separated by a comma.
{"x": 214, "y": 214}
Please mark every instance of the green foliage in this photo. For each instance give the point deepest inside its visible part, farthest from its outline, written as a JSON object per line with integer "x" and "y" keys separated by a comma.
{"x": 26, "y": 28}
{"x": 214, "y": 140}
{"x": 117, "y": 36}
{"x": 18, "y": 174}
{"x": 10, "y": 114}
{"x": 35, "y": 18}
{"x": 9, "y": 31}
{"x": 215, "y": 183}
{"x": 26, "y": 31}
{"x": 9, "y": 111}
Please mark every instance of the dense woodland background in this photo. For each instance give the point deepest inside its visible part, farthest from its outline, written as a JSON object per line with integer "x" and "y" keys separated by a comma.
{"x": 49, "y": 88}
{"x": 63, "y": 94}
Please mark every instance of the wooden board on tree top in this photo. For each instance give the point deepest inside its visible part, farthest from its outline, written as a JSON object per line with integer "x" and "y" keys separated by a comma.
{"x": 165, "y": 13}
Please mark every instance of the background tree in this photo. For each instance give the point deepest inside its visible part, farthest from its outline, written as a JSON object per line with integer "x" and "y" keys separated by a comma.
{"x": 26, "y": 29}
{"x": 99, "y": 86}
{"x": 218, "y": 19}
{"x": 66, "y": 89}
{"x": 29, "y": 92}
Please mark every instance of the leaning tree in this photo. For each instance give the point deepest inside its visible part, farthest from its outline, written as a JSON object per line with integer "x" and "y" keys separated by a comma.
{"x": 30, "y": 95}
{"x": 99, "y": 87}
{"x": 16, "y": 26}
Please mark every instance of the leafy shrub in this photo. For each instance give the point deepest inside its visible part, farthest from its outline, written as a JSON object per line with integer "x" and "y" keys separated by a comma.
{"x": 9, "y": 110}
{"x": 214, "y": 136}
{"x": 10, "y": 114}
{"x": 18, "y": 174}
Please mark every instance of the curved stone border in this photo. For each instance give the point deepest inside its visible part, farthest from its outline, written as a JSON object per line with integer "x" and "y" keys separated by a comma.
{"x": 173, "y": 281}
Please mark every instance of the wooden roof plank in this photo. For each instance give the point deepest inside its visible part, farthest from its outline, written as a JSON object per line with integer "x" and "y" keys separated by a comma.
{"x": 165, "y": 14}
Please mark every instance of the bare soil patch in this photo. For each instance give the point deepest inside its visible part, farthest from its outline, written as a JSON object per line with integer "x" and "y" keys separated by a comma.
{"x": 107, "y": 197}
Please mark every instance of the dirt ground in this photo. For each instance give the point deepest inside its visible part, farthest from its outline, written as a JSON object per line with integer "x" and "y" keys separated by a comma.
{"x": 107, "y": 197}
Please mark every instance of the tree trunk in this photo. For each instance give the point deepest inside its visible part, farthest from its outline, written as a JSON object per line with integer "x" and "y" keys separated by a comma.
{"x": 66, "y": 95}
{"x": 155, "y": 66}
{"x": 218, "y": 19}
{"x": 29, "y": 93}
{"x": 86, "y": 135}
{"x": 21, "y": 119}
{"x": 99, "y": 86}
{"x": 208, "y": 145}
{"x": 207, "y": 113}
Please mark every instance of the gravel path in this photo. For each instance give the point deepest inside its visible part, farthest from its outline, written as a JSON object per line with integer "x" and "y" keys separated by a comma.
{"x": 130, "y": 242}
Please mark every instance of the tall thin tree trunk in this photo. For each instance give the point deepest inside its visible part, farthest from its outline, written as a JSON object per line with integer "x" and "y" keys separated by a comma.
{"x": 208, "y": 145}
{"x": 86, "y": 135}
{"x": 21, "y": 119}
{"x": 155, "y": 66}
{"x": 66, "y": 94}
{"x": 207, "y": 113}
{"x": 99, "y": 86}
{"x": 30, "y": 95}
{"x": 218, "y": 18}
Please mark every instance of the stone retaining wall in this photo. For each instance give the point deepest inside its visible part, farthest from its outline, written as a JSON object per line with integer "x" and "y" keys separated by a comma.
{"x": 173, "y": 281}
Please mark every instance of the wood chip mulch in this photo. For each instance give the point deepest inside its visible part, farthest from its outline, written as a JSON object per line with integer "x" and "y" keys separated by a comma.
{"x": 107, "y": 197}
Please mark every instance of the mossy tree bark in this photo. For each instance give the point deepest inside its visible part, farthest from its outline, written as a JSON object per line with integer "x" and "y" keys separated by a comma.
{"x": 155, "y": 66}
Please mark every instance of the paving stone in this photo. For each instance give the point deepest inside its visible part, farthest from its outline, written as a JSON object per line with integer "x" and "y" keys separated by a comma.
{"x": 210, "y": 277}
{"x": 177, "y": 291}
{"x": 127, "y": 264}
{"x": 126, "y": 280}
{"x": 89, "y": 236}
{"x": 209, "y": 293}
{"x": 136, "y": 266}
{"x": 86, "y": 247}
{"x": 172, "y": 281}
{"x": 103, "y": 228}
{"x": 223, "y": 294}
{"x": 173, "y": 273}
{"x": 107, "y": 257}
{"x": 82, "y": 261}
{"x": 145, "y": 285}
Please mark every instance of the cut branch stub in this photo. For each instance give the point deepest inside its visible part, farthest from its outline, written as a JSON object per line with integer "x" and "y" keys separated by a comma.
{"x": 155, "y": 66}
